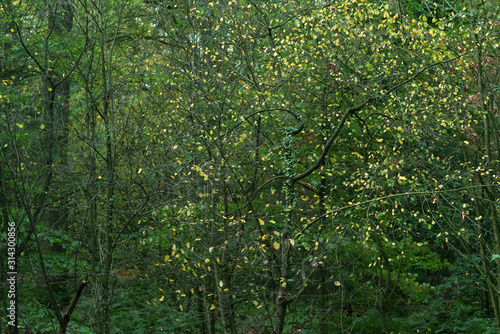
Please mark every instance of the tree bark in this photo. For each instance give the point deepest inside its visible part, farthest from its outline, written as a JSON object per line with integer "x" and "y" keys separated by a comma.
{"x": 67, "y": 315}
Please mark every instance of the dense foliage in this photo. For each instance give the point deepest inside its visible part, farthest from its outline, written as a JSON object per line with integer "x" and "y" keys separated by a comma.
{"x": 244, "y": 166}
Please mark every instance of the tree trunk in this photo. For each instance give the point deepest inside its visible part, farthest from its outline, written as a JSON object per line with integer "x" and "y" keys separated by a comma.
{"x": 67, "y": 315}
{"x": 57, "y": 96}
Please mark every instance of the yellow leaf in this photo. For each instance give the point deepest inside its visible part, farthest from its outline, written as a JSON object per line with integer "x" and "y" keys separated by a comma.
{"x": 337, "y": 283}
{"x": 212, "y": 307}
{"x": 162, "y": 297}
{"x": 276, "y": 245}
{"x": 261, "y": 222}
{"x": 42, "y": 126}
{"x": 139, "y": 171}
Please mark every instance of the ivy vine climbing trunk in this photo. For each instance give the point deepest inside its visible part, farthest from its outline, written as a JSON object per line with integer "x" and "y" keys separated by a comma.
{"x": 284, "y": 249}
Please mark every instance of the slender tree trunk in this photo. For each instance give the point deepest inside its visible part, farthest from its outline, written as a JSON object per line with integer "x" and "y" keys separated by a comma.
{"x": 201, "y": 307}
{"x": 57, "y": 94}
{"x": 92, "y": 192}
{"x": 323, "y": 325}
{"x": 384, "y": 286}
{"x": 490, "y": 189}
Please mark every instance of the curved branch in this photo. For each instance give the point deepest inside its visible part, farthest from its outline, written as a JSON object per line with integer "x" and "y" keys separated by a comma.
{"x": 361, "y": 106}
